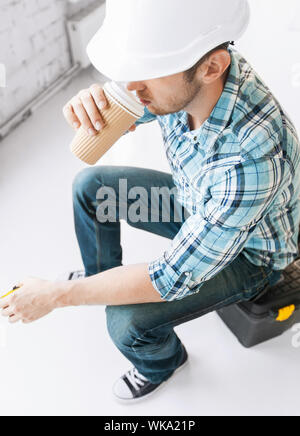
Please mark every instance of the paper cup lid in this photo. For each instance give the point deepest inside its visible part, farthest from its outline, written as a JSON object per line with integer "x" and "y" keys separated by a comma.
{"x": 125, "y": 98}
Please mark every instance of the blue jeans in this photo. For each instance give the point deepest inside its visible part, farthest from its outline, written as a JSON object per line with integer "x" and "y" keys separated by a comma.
{"x": 144, "y": 333}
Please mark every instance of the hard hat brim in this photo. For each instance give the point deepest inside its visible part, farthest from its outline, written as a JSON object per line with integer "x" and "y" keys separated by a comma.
{"x": 111, "y": 58}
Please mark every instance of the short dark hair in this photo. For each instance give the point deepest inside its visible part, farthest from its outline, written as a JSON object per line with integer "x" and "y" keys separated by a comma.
{"x": 190, "y": 74}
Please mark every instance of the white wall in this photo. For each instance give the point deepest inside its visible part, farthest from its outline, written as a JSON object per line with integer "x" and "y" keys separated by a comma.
{"x": 33, "y": 47}
{"x": 272, "y": 46}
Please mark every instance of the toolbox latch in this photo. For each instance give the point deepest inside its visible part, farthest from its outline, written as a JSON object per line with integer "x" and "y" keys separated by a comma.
{"x": 285, "y": 313}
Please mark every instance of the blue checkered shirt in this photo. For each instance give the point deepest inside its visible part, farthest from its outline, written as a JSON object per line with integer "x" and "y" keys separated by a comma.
{"x": 238, "y": 176}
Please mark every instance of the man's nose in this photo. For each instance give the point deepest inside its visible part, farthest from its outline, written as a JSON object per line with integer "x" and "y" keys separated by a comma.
{"x": 135, "y": 86}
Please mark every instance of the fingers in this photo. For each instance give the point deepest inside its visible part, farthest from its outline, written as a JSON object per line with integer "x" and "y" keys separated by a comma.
{"x": 84, "y": 109}
{"x": 82, "y": 115}
{"x": 92, "y": 118}
{"x": 7, "y": 312}
{"x": 14, "y": 318}
{"x": 99, "y": 96}
{"x": 5, "y": 302}
{"x": 70, "y": 116}
{"x": 26, "y": 321}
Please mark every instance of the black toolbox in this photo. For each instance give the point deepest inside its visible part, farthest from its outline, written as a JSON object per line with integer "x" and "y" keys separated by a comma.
{"x": 275, "y": 311}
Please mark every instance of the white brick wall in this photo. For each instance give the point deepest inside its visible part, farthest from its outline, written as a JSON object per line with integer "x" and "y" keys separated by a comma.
{"x": 33, "y": 47}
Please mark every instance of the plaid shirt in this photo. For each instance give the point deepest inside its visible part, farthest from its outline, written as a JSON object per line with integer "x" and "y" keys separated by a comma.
{"x": 239, "y": 178}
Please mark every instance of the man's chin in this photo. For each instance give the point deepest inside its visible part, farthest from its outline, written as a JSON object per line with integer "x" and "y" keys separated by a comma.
{"x": 152, "y": 110}
{"x": 157, "y": 112}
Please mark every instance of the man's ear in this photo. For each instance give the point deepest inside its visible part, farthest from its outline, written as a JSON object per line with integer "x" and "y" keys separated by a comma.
{"x": 215, "y": 66}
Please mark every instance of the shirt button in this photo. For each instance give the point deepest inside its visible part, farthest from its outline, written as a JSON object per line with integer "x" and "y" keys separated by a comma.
{"x": 195, "y": 138}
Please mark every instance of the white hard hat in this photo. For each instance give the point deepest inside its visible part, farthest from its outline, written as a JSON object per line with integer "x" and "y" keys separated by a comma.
{"x": 148, "y": 39}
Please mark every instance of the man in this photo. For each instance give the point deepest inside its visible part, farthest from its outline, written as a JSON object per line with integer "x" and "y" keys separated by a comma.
{"x": 235, "y": 156}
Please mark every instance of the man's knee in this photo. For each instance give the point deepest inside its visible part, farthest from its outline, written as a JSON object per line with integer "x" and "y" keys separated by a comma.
{"x": 83, "y": 182}
{"x": 92, "y": 179}
{"x": 122, "y": 325}
{"x": 131, "y": 329}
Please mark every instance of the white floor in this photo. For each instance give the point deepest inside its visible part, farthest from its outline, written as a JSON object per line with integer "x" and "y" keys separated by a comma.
{"x": 66, "y": 363}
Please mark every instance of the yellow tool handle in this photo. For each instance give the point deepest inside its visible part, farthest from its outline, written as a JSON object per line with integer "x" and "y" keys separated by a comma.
{"x": 11, "y": 292}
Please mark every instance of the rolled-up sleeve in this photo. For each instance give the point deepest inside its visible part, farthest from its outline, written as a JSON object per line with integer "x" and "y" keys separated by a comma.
{"x": 211, "y": 239}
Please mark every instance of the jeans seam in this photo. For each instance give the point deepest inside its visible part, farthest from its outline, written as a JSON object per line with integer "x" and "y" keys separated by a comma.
{"x": 98, "y": 243}
{"x": 266, "y": 275}
{"x": 262, "y": 272}
{"x": 207, "y": 310}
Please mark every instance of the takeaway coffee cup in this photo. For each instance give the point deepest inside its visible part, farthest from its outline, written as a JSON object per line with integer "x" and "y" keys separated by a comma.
{"x": 121, "y": 113}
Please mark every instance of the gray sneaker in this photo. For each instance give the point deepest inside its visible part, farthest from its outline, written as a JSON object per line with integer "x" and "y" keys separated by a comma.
{"x": 133, "y": 386}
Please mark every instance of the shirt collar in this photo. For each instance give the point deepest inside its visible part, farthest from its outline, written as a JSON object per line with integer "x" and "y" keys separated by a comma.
{"x": 221, "y": 113}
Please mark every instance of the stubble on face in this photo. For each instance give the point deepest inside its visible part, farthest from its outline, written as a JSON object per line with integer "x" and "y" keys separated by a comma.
{"x": 175, "y": 96}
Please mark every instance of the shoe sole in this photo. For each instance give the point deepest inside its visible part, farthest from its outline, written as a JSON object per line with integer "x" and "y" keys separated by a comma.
{"x": 139, "y": 399}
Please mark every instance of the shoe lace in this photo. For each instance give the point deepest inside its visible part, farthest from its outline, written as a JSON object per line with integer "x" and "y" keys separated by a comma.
{"x": 136, "y": 378}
